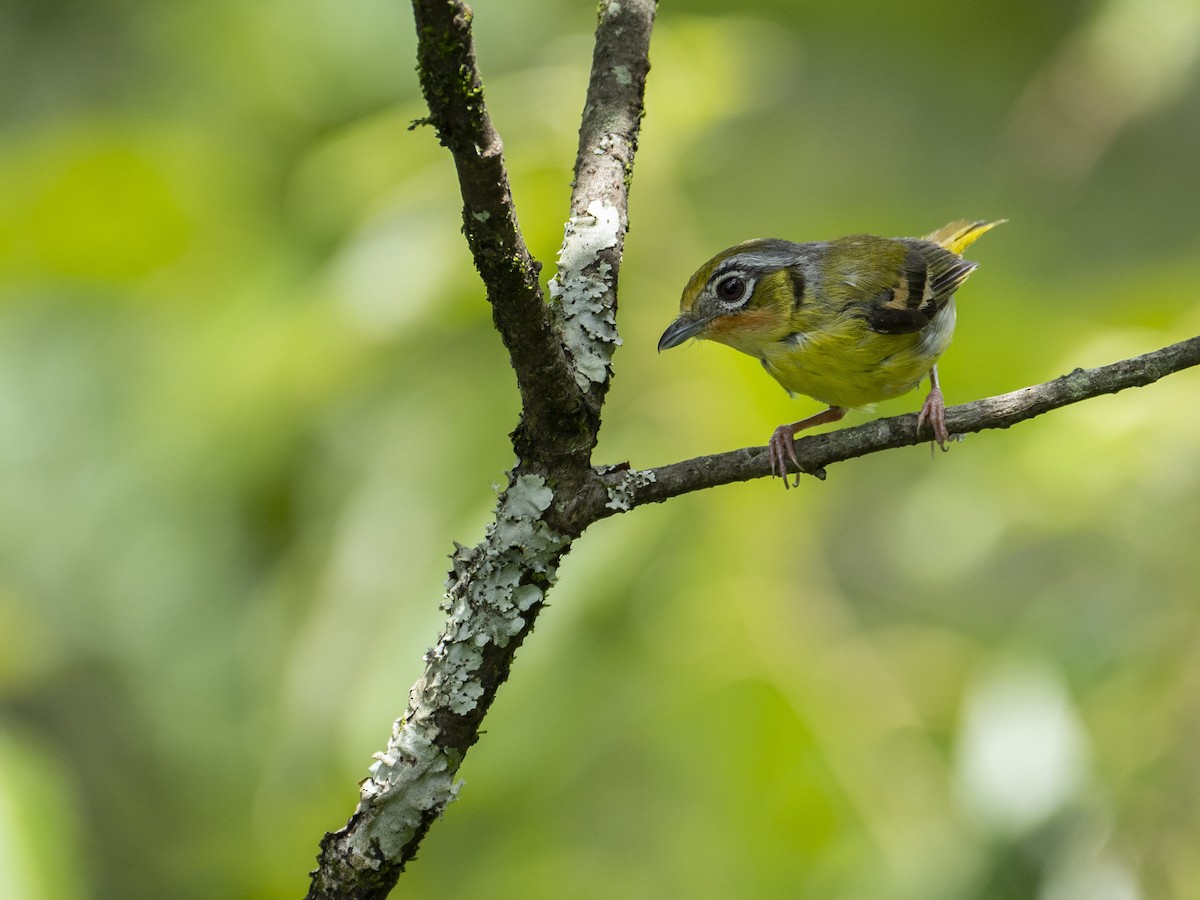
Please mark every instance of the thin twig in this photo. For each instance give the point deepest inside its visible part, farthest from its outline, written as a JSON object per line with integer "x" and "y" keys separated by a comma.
{"x": 817, "y": 452}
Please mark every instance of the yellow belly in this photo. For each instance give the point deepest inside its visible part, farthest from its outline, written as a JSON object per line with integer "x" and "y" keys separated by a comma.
{"x": 852, "y": 366}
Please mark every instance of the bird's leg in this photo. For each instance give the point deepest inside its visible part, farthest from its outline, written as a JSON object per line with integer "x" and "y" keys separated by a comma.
{"x": 934, "y": 411}
{"x": 782, "y": 446}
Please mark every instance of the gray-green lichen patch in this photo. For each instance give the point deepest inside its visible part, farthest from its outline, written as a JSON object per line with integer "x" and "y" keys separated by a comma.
{"x": 621, "y": 495}
{"x": 407, "y": 781}
{"x": 490, "y": 588}
{"x": 583, "y": 280}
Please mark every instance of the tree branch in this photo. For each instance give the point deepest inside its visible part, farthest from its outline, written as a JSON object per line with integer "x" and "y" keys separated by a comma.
{"x": 623, "y": 489}
{"x": 496, "y": 589}
{"x": 586, "y": 284}
{"x": 551, "y": 402}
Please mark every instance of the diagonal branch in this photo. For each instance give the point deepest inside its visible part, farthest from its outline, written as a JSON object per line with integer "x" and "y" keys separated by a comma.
{"x": 586, "y": 284}
{"x": 551, "y": 402}
{"x": 621, "y": 490}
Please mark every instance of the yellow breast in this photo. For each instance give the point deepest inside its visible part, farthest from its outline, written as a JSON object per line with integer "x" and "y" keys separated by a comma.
{"x": 848, "y": 365}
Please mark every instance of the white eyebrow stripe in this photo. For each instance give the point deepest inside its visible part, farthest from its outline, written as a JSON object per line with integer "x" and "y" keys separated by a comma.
{"x": 753, "y": 262}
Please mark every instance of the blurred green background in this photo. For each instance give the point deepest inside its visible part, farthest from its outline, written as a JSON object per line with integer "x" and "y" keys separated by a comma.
{"x": 250, "y": 394}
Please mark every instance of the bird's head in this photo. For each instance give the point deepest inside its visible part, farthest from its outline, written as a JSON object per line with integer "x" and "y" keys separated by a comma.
{"x": 743, "y": 296}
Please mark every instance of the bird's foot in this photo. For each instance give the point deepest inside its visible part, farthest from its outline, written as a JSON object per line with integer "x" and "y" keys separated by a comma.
{"x": 934, "y": 412}
{"x": 781, "y": 449}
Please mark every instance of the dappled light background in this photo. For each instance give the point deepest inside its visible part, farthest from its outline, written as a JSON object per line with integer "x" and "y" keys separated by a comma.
{"x": 250, "y": 394}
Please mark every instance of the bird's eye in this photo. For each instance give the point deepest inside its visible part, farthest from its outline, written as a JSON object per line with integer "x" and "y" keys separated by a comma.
{"x": 731, "y": 289}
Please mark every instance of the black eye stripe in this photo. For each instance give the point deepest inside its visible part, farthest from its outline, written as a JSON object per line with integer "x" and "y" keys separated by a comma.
{"x": 797, "y": 284}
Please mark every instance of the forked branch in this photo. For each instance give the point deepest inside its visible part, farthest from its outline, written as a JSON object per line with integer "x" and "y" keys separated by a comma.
{"x": 561, "y": 354}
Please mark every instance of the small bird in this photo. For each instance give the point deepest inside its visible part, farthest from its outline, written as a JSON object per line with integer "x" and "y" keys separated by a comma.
{"x": 848, "y": 322}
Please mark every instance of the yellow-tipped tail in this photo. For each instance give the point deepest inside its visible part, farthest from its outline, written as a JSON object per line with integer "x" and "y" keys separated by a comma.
{"x": 961, "y": 234}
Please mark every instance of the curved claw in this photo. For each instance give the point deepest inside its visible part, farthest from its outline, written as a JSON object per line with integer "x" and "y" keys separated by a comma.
{"x": 780, "y": 449}
{"x": 934, "y": 412}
